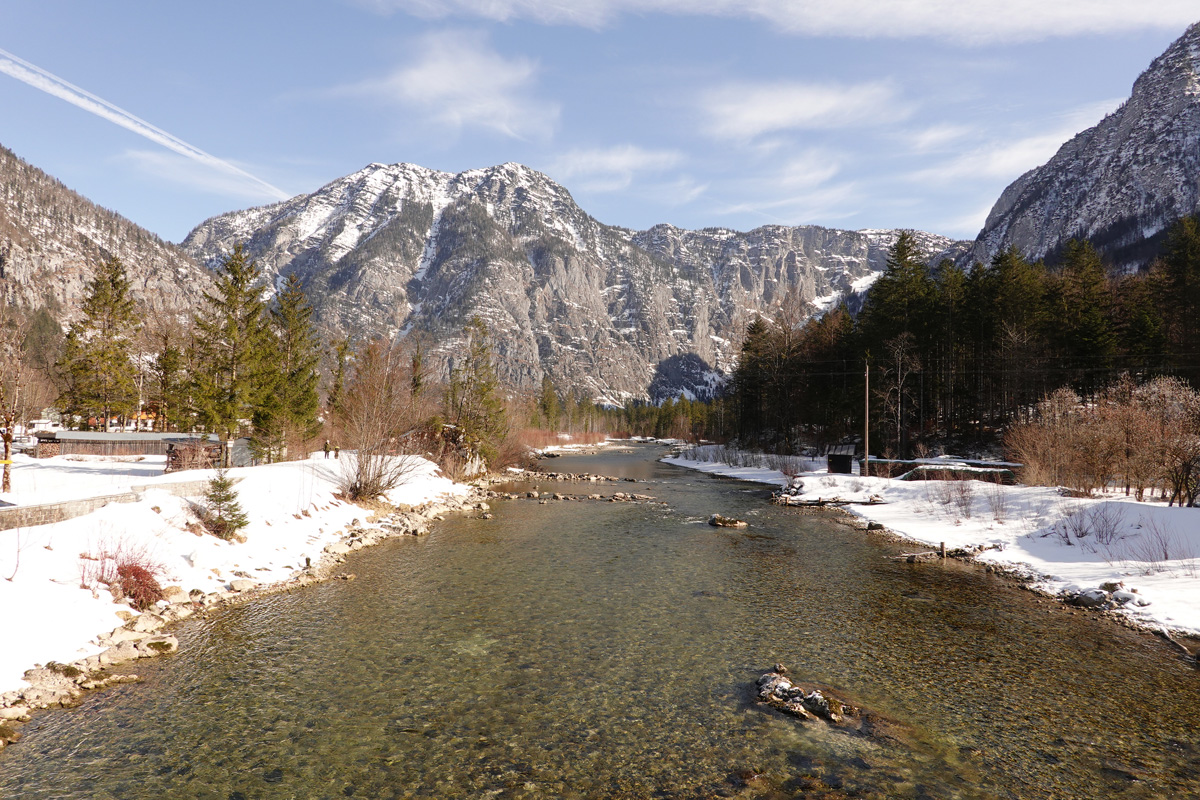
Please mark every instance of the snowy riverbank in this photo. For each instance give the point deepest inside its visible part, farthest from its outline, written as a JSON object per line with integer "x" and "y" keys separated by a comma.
{"x": 1066, "y": 545}
{"x": 56, "y": 611}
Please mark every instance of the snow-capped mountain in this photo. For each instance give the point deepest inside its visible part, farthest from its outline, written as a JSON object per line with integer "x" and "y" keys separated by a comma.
{"x": 1119, "y": 184}
{"x": 606, "y": 310}
{"x": 51, "y": 240}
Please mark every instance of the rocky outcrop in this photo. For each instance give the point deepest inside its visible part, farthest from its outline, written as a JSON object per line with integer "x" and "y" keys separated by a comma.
{"x": 1119, "y": 184}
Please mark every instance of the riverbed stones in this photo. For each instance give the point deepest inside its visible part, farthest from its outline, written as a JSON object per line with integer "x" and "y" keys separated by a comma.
{"x": 119, "y": 635}
{"x": 720, "y": 521}
{"x": 15, "y": 713}
{"x": 158, "y": 645}
{"x": 146, "y": 623}
{"x": 119, "y": 654}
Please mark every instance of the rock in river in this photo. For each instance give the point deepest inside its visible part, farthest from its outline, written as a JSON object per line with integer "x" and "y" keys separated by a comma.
{"x": 726, "y": 522}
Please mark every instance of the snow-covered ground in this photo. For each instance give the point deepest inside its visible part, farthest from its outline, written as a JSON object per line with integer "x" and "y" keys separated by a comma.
{"x": 1068, "y": 545}
{"x": 50, "y": 615}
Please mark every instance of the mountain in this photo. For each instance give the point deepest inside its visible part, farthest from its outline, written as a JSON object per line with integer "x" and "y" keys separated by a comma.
{"x": 51, "y": 239}
{"x": 1119, "y": 184}
{"x": 613, "y": 312}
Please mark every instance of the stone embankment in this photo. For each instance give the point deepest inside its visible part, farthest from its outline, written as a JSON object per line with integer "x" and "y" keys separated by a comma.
{"x": 144, "y": 635}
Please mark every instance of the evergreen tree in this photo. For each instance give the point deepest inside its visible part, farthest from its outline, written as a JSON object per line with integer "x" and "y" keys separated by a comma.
{"x": 340, "y": 354}
{"x": 1083, "y": 315}
{"x": 234, "y": 377}
{"x": 95, "y": 362}
{"x": 548, "y": 403}
{"x": 900, "y": 301}
{"x": 1177, "y": 280}
{"x": 473, "y": 399}
{"x": 223, "y": 515}
{"x": 749, "y": 379}
{"x": 289, "y": 406}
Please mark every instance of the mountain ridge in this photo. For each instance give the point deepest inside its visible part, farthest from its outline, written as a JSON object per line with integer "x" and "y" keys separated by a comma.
{"x": 1119, "y": 184}
{"x": 400, "y": 248}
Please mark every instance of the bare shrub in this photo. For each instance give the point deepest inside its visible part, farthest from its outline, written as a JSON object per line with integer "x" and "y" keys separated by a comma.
{"x": 1065, "y": 444}
{"x": 963, "y": 495}
{"x": 1157, "y": 544}
{"x": 1145, "y": 437}
{"x": 1106, "y": 522}
{"x": 957, "y": 497}
{"x": 139, "y": 584}
{"x": 127, "y": 568}
{"x": 998, "y": 501}
{"x": 375, "y": 419}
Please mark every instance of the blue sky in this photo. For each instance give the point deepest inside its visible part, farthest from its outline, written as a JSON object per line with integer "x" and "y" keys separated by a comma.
{"x": 846, "y": 113}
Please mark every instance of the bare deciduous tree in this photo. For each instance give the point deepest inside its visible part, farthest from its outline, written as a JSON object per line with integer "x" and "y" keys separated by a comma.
{"x": 375, "y": 419}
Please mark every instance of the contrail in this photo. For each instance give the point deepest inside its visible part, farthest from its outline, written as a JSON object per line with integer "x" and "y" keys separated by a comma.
{"x": 49, "y": 83}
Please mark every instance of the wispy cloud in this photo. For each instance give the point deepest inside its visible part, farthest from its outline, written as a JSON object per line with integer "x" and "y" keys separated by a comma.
{"x": 968, "y": 20}
{"x": 611, "y": 169}
{"x": 743, "y": 111}
{"x": 187, "y": 172}
{"x": 458, "y": 80}
{"x": 47, "y": 82}
{"x": 937, "y": 137}
{"x": 1011, "y": 157}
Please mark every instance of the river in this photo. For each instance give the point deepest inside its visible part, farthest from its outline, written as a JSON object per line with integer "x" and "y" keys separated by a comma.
{"x": 609, "y": 650}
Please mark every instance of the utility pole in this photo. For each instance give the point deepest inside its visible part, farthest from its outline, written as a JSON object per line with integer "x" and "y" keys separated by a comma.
{"x": 866, "y": 469}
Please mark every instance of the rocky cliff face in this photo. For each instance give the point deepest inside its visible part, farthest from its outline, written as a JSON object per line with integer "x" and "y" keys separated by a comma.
{"x": 51, "y": 240}
{"x": 1120, "y": 184}
{"x": 399, "y": 249}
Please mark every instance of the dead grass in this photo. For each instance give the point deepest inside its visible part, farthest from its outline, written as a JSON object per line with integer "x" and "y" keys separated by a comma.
{"x": 375, "y": 505}
{"x": 540, "y": 439}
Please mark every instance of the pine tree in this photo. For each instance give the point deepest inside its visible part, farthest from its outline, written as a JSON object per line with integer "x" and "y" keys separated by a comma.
{"x": 1178, "y": 287}
{"x": 548, "y": 403}
{"x": 1083, "y": 313}
{"x": 234, "y": 350}
{"x": 223, "y": 515}
{"x": 289, "y": 406}
{"x": 900, "y": 300}
{"x": 96, "y": 363}
{"x": 473, "y": 399}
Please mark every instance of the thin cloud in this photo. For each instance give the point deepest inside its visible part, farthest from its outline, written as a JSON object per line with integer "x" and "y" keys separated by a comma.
{"x": 611, "y": 169}
{"x": 741, "y": 111}
{"x": 1008, "y": 159}
{"x": 51, "y": 84}
{"x": 457, "y": 80}
{"x": 937, "y": 137}
{"x": 967, "y": 20}
{"x": 187, "y": 172}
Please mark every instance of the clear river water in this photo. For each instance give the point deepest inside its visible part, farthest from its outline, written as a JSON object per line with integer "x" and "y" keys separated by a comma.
{"x": 609, "y": 650}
